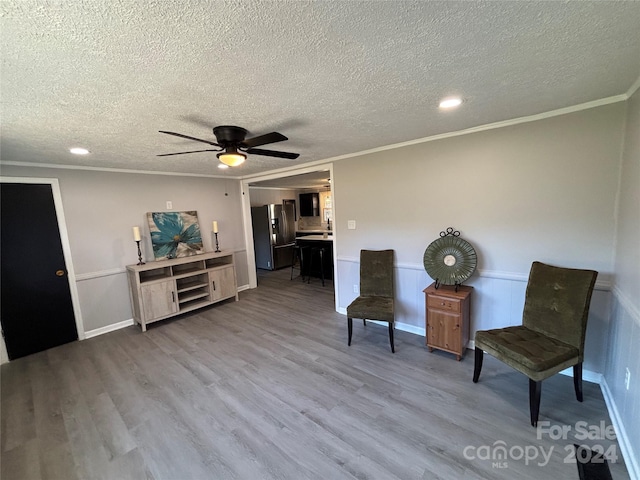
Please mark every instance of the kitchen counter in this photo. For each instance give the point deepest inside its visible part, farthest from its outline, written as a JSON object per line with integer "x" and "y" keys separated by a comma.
{"x": 301, "y": 233}
{"x": 315, "y": 238}
{"x": 310, "y": 265}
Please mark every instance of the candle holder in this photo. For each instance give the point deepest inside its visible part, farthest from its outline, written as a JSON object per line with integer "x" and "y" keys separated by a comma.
{"x": 217, "y": 246}
{"x": 140, "y": 262}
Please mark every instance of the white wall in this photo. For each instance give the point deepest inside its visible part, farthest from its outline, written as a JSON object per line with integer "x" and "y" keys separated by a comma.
{"x": 102, "y": 207}
{"x": 625, "y": 312}
{"x": 543, "y": 190}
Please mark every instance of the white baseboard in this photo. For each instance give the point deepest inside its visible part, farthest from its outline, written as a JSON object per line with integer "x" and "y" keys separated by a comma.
{"x": 630, "y": 459}
{"x": 109, "y": 328}
{"x": 405, "y": 327}
{"x": 126, "y": 323}
{"x": 587, "y": 375}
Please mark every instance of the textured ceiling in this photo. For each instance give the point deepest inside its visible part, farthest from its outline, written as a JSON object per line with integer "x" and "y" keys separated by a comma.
{"x": 336, "y": 77}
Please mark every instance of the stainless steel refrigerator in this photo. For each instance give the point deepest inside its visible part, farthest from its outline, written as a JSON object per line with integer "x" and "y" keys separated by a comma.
{"x": 273, "y": 235}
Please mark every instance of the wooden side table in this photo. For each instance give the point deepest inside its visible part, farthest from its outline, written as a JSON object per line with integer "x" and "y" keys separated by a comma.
{"x": 447, "y": 315}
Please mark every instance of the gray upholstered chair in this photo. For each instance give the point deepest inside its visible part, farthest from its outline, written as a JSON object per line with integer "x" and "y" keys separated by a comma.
{"x": 551, "y": 337}
{"x": 376, "y": 291}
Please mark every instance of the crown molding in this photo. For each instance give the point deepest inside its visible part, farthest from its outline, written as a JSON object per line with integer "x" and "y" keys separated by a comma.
{"x": 281, "y": 172}
{"x": 112, "y": 170}
{"x": 633, "y": 88}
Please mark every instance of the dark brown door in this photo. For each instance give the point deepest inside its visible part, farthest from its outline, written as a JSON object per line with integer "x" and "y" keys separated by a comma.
{"x": 36, "y": 311}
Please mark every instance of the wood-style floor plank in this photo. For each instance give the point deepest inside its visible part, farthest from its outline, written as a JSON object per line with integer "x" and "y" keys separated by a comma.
{"x": 267, "y": 388}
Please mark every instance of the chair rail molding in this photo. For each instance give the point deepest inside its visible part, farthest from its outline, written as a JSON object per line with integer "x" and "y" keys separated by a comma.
{"x": 603, "y": 285}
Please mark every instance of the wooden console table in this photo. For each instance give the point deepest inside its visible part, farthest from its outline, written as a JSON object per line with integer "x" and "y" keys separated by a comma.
{"x": 167, "y": 288}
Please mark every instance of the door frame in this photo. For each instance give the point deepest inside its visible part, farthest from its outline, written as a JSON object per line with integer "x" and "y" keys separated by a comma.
{"x": 248, "y": 227}
{"x": 66, "y": 251}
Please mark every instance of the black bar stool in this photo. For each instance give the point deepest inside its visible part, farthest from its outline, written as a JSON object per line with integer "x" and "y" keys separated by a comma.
{"x": 297, "y": 259}
{"x": 316, "y": 254}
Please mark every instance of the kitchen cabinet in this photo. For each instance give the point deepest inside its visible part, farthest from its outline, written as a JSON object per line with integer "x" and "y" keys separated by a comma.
{"x": 309, "y": 204}
{"x": 162, "y": 289}
{"x": 447, "y": 318}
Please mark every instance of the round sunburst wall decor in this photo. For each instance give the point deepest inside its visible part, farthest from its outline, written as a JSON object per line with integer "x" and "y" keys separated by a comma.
{"x": 450, "y": 260}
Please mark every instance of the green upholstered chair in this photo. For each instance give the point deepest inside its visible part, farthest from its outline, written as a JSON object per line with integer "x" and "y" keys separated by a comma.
{"x": 551, "y": 337}
{"x": 376, "y": 291}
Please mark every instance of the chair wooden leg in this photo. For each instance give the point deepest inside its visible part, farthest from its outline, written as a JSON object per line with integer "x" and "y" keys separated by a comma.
{"x": 393, "y": 350}
{"x": 477, "y": 368}
{"x": 364, "y": 322}
{"x": 535, "y": 389}
{"x": 350, "y": 327}
{"x": 577, "y": 380}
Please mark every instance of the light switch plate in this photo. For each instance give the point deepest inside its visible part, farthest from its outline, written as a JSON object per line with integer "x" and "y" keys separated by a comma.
{"x": 169, "y": 204}
{"x": 351, "y": 224}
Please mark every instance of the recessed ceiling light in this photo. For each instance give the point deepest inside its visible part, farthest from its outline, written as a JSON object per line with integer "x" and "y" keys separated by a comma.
{"x": 450, "y": 102}
{"x": 222, "y": 166}
{"x": 79, "y": 151}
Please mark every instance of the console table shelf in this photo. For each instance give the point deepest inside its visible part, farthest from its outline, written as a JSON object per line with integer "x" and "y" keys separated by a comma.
{"x": 167, "y": 288}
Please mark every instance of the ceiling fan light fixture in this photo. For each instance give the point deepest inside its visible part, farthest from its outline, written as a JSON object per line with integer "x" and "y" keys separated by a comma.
{"x": 232, "y": 159}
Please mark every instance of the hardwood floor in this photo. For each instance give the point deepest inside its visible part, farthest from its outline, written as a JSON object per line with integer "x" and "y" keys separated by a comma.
{"x": 267, "y": 388}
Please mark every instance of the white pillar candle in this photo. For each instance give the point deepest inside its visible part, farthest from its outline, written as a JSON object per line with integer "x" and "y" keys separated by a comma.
{"x": 215, "y": 227}
{"x": 136, "y": 234}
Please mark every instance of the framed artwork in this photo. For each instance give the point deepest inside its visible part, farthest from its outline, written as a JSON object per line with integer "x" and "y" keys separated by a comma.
{"x": 174, "y": 234}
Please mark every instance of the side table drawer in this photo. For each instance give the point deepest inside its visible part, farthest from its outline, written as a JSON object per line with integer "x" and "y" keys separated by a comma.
{"x": 443, "y": 303}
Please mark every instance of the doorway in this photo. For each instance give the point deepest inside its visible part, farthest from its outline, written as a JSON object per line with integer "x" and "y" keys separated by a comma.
{"x": 38, "y": 308}
{"x": 276, "y": 188}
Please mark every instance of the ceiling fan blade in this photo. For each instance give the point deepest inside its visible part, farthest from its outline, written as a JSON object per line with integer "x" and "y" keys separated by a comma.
{"x": 272, "y": 137}
{"x": 182, "y": 153}
{"x": 190, "y": 138}
{"x": 272, "y": 153}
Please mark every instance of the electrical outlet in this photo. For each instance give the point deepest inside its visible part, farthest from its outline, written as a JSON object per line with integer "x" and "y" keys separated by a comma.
{"x": 351, "y": 224}
{"x": 268, "y": 264}
{"x": 169, "y": 204}
{"x": 627, "y": 378}
{"x": 355, "y": 289}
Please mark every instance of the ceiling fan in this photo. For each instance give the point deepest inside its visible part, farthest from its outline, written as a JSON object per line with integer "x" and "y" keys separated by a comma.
{"x": 233, "y": 145}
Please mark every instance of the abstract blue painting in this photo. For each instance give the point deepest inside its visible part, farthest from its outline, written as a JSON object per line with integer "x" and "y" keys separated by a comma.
{"x": 174, "y": 234}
